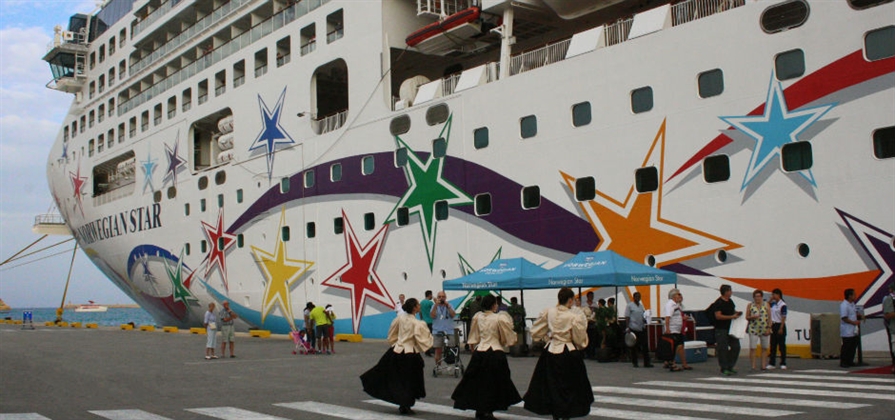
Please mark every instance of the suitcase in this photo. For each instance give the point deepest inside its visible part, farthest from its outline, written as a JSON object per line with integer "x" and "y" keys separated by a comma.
{"x": 665, "y": 349}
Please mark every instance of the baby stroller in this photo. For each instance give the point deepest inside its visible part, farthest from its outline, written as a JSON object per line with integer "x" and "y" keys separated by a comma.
{"x": 302, "y": 346}
{"x": 450, "y": 355}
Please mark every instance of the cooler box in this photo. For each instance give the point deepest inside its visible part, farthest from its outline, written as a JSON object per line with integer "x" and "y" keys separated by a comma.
{"x": 695, "y": 350}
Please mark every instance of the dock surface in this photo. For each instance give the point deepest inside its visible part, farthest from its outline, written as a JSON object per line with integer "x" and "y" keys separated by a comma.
{"x": 65, "y": 373}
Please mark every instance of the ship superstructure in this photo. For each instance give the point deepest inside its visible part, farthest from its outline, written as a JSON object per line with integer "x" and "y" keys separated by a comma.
{"x": 272, "y": 153}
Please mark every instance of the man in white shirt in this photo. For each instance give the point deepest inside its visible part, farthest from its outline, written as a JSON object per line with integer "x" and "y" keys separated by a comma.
{"x": 399, "y": 305}
{"x": 849, "y": 320}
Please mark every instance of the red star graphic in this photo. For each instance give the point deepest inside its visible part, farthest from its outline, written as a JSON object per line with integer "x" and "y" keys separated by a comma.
{"x": 358, "y": 275}
{"x": 216, "y": 255}
{"x": 77, "y": 183}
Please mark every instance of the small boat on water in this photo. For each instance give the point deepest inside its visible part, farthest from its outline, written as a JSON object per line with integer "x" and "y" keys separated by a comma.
{"x": 91, "y": 307}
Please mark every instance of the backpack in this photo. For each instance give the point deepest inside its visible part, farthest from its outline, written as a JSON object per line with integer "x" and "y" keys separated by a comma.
{"x": 710, "y": 313}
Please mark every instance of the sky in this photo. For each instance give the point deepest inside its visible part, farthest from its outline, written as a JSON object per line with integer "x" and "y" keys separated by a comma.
{"x": 30, "y": 119}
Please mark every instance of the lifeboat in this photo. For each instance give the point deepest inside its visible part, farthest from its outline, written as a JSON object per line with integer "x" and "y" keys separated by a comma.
{"x": 442, "y": 36}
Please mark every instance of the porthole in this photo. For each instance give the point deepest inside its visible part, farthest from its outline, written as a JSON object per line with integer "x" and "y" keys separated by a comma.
{"x": 531, "y": 197}
{"x": 716, "y": 168}
{"x": 284, "y": 185}
{"x": 203, "y": 246}
{"x": 220, "y": 177}
{"x": 865, "y": 4}
{"x": 220, "y": 200}
{"x": 880, "y": 43}
{"x": 404, "y": 275}
{"x": 650, "y": 261}
{"x": 646, "y": 179}
{"x": 483, "y": 204}
{"x": 240, "y": 240}
{"x": 796, "y": 156}
{"x": 711, "y": 83}
{"x": 581, "y": 114}
{"x": 400, "y": 157}
{"x": 721, "y": 256}
{"x": 528, "y": 126}
{"x": 335, "y": 172}
{"x": 789, "y": 64}
{"x": 186, "y": 209}
{"x": 441, "y": 210}
{"x": 585, "y": 189}
{"x": 480, "y": 138}
{"x": 285, "y": 233}
{"x": 309, "y": 178}
{"x": 203, "y": 182}
{"x": 239, "y": 195}
{"x": 403, "y": 216}
{"x": 311, "y": 230}
{"x": 369, "y": 221}
{"x": 443, "y": 274}
{"x": 641, "y": 99}
{"x": 157, "y": 197}
{"x": 439, "y": 147}
{"x": 172, "y": 192}
{"x": 784, "y": 16}
{"x": 884, "y": 143}
{"x": 803, "y": 250}
{"x": 367, "y": 165}
{"x": 437, "y": 114}
{"x": 338, "y": 225}
{"x": 399, "y": 125}
{"x": 186, "y": 249}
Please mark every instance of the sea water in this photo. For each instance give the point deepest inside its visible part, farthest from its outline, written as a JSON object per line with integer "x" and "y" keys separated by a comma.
{"x": 111, "y": 318}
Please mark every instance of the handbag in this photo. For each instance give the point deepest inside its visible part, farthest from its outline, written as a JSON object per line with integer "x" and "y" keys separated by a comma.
{"x": 738, "y": 327}
{"x": 212, "y": 325}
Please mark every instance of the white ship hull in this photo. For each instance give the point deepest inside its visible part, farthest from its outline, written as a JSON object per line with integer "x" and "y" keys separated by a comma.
{"x": 194, "y": 221}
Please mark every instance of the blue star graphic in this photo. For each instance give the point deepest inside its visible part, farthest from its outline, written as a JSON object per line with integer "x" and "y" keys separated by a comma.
{"x": 776, "y": 127}
{"x": 64, "y": 150}
{"x": 148, "y": 167}
{"x": 175, "y": 162}
{"x": 272, "y": 133}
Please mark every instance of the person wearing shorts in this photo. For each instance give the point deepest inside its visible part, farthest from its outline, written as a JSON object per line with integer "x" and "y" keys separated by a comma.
{"x": 758, "y": 313}
{"x": 318, "y": 314}
{"x": 226, "y": 317}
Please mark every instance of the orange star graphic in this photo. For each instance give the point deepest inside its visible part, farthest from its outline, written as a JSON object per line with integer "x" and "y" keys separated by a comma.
{"x": 635, "y": 228}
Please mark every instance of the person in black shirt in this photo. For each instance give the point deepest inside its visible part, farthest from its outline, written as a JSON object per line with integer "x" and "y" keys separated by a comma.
{"x": 727, "y": 347}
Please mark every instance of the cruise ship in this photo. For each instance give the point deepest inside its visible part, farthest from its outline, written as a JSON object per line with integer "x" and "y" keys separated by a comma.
{"x": 277, "y": 152}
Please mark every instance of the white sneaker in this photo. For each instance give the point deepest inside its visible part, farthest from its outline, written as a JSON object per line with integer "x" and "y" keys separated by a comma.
{"x": 783, "y": 367}
{"x": 769, "y": 367}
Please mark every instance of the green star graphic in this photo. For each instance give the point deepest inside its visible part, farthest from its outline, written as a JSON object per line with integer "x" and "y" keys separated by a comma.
{"x": 181, "y": 293}
{"x": 466, "y": 268}
{"x": 427, "y": 187}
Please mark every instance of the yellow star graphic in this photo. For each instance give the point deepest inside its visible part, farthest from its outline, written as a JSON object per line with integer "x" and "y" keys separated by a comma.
{"x": 280, "y": 273}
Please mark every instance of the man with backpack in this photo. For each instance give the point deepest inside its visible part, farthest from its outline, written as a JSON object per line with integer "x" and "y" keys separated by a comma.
{"x": 727, "y": 347}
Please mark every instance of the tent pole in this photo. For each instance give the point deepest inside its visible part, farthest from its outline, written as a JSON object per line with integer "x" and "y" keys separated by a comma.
{"x": 522, "y": 297}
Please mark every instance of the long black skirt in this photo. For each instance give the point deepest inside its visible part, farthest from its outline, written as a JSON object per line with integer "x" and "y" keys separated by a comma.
{"x": 486, "y": 385}
{"x": 559, "y": 386}
{"x": 397, "y": 378}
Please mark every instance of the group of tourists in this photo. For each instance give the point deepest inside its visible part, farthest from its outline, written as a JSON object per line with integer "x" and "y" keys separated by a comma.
{"x": 559, "y": 385}
{"x": 222, "y": 321}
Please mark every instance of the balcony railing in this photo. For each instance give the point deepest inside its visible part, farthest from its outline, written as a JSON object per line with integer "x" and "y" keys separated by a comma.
{"x": 283, "y": 60}
{"x": 188, "y": 34}
{"x": 259, "y": 31}
{"x": 260, "y": 71}
{"x": 153, "y": 17}
{"x": 237, "y": 82}
{"x": 335, "y": 35}
{"x": 220, "y": 90}
{"x": 203, "y": 98}
{"x": 309, "y": 47}
{"x": 691, "y": 10}
{"x": 331, "y": 122}
{"x": 540, "y": 57}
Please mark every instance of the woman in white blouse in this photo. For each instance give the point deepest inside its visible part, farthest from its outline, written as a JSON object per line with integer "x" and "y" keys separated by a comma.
{"x": 486, "y": 387}
{"x": 398, "y": 377}
{"x": 559, "y": 385}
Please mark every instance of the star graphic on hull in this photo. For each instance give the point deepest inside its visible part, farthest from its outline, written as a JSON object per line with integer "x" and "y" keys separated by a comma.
{"x": 77, "y": 184}
{"x": 148, "y": 166}
{"x": 635, "y": 228}
{"x": 147, "y": 274}
{"x": 219, "y": 242}
{"x": 280, "y": 273}
{"x": 775, "y": 128}
{"x": 880, "y": 246}
{"x": 427, "y": 188}
{"x": 175, "y": 162}
{"x": 181, "y": 292}
{"x": 272, "y": 133}
{"x": 466, "y": 268}
{"x": 358, "y": 275}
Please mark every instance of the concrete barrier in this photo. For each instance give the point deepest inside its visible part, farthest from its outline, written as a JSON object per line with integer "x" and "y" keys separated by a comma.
{"x": 351, "y": 338}
{"x": 147, "y": 328}
{"x": 92, "y": 325}
{"x": 259, "y": 333}
{"x": 127, "y": 327}
{"x": 170, "y": 329}
{"x": 197, "y": 330}
{"x": 76, "y": 325}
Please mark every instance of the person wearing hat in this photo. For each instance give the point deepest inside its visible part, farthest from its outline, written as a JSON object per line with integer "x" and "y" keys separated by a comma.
{"x": 889, "y": 320}
{"x": 634, "y": 315}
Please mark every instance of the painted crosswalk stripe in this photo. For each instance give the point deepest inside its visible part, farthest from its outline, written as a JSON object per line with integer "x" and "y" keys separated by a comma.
{"x": 341, "y": 412}
{"x": 231, "y": 413}
{"x": 769, "y": 390}
{"x": 446, "y": 410}
{"x": 690, "y": 406}
{"x": 127, "y": 415}
{"x": 803, "y": 383}
{"x": 825, "y": 377}
{"x": 22, "y": 416}
{"x": 839, "y": 372}
{"x": 610, "y": 413}
{"x": 722, "y": 397}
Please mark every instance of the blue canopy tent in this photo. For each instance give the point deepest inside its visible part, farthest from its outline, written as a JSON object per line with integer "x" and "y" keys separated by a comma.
{"x": 598, "y": 269}
{"x": 505, "y": 274}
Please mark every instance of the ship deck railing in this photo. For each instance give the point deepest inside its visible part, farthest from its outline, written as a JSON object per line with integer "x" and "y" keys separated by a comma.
{"x": 613, "y": 34}
{"x": 331, "y": 122}
{"x": 154, "y": 16}
{"x": 256, "y": 33}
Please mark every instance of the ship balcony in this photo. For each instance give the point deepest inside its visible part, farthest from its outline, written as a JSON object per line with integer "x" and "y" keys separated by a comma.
{"x": 50, "y": 224}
